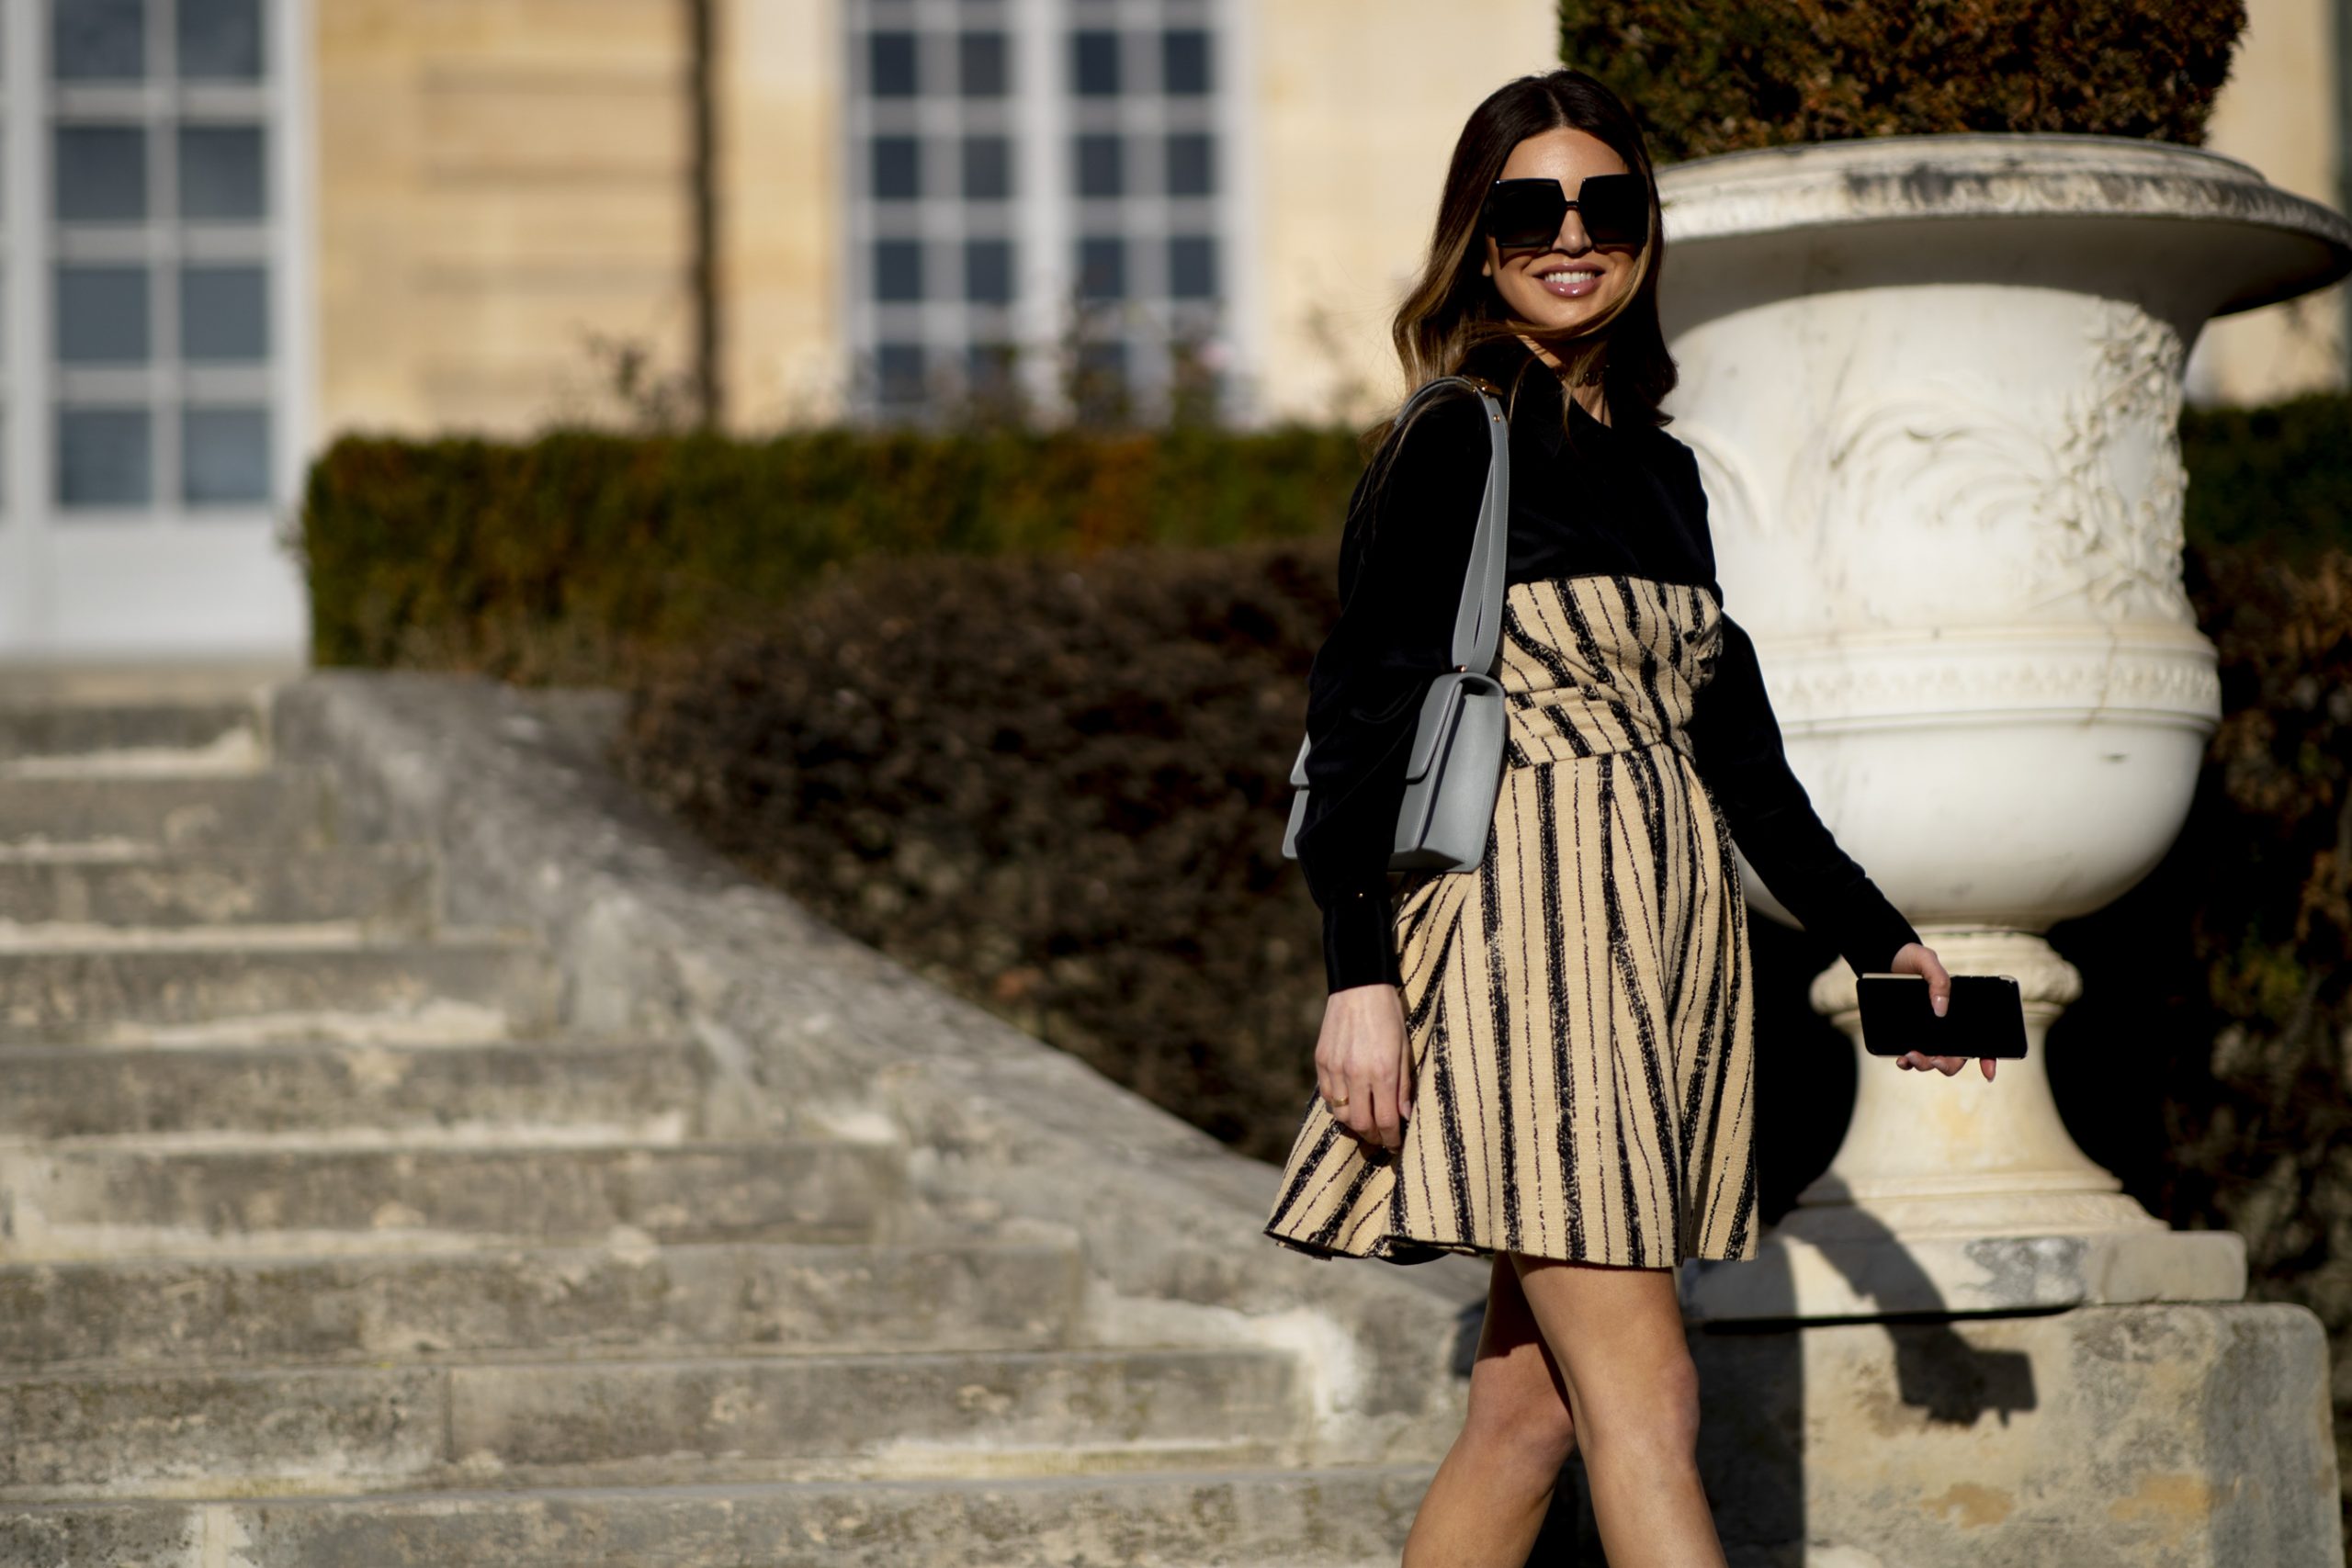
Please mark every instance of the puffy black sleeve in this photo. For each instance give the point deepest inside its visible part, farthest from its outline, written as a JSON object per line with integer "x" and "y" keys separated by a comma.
{"x": 1737, "y": 744}
{"x": 1402, "y": 556}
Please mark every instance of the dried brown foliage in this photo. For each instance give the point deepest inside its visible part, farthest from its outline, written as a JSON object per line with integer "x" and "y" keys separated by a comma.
{"x": 1054, "y": 784}
{"x": 2273, "y": 1158}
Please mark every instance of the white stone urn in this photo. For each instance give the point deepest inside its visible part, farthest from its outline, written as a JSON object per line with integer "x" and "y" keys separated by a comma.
{"x": 1932, "y": 382}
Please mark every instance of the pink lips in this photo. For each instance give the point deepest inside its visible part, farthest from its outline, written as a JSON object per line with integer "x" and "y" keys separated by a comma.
{"x": 1570, "y": 290}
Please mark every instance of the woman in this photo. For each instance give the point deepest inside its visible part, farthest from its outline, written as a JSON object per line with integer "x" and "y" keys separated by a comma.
{"x": 1549, "y": 1059}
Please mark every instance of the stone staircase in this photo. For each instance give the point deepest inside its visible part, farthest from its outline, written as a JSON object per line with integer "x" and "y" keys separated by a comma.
{"x": 324, "y": 1241}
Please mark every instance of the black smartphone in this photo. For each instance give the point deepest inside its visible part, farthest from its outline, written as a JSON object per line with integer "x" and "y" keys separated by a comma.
{"x": 1985, "y": 1018}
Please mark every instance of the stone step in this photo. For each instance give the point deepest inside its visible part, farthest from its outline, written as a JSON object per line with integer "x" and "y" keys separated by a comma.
{"x": 988, "y": 1292}
{"x": 612, "y": 1091}
{"x": 1289, "y": 1519}
{"x": 91, "y": 1202}
{"x": 388, "y": 889}
{"x": 636, "y": 1421}
{"x": 30, "y": 729}
{"x": 126, "y": 992}
{"x": 288, "y": 806}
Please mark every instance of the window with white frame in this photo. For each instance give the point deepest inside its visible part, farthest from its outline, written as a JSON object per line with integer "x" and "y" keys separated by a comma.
{"x": 158, "y": 246}
{"x": 1039, "y": 204}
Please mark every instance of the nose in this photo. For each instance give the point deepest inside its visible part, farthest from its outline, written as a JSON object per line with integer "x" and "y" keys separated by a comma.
{"x": 1572, "y": 239}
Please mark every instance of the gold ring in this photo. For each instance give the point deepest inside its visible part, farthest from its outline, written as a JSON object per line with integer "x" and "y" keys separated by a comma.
{"x": 1338, "y": 1104}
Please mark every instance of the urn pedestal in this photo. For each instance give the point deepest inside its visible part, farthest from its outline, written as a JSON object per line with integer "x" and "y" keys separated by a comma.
{"x": 1933, "y": 384}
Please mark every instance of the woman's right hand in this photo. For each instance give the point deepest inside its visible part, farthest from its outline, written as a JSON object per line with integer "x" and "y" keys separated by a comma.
{"x": 1361, "y": 1068}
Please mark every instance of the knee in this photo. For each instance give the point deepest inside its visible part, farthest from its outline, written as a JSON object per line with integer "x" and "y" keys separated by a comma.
{"x": 1529, "y": 1423}
{"x": 1661, "y": 1418}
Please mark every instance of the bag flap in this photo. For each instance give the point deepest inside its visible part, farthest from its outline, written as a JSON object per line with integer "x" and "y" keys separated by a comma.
{"x": 1437, "y": 716}
{"x": 1298, "y": 768}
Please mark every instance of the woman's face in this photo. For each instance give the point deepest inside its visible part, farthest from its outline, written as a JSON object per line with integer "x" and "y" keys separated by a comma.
{"x": 1573, "y": 280}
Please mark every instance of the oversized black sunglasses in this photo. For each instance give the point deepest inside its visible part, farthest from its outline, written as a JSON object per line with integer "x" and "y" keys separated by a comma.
{"x": 1524, "y": 214}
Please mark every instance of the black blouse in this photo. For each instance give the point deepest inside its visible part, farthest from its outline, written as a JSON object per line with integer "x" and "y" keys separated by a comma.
{"x": 1595, "y": 499}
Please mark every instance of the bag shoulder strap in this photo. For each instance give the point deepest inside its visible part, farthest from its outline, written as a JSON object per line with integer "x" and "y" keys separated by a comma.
{"x": 1477, "y": 623}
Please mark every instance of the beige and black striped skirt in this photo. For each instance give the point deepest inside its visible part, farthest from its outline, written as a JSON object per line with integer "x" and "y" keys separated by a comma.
{"x": 1577, "y": 1008}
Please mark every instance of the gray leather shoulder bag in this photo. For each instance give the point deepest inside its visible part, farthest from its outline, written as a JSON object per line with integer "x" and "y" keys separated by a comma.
{"x": 1453, "y": 771}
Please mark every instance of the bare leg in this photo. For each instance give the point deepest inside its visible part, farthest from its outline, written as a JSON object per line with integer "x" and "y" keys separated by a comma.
{"x": 1488, "y": 1502}
{"x": 1616, "y": 1336}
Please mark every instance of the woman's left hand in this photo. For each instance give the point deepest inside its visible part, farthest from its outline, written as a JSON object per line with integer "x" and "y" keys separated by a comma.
{"x": 1918, "y": 959}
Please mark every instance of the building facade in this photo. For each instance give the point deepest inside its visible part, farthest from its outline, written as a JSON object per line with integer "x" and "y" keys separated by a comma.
{"x": 232, "y": 230}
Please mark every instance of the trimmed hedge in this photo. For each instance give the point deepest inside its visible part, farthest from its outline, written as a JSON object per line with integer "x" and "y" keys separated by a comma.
{"x": 2278, "y": 476}
{"x": 575, "y": 555}
{"x": 580, "y": 557}
{"x": 1709, "y": 76}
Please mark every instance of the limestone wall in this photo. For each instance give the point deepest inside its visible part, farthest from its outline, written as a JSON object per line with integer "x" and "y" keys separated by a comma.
{"x": 495, "y": 179}
{"x": 782, "y": 353}
{"x": 1356, "y": 108}
{"x": 2279, "y": 112}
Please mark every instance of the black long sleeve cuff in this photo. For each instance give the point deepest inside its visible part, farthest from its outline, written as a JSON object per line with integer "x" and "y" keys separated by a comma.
{"x": 1359, "y": 947}
{"x": 1867, "y": 929}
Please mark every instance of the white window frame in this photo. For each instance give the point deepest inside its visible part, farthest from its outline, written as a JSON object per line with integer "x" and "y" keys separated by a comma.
{"x": 166, "y": 578}
{"x": 1045, "y": 116}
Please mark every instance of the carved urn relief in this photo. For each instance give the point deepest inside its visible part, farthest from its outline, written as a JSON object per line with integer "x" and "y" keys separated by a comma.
{"x": 1933, "y": 384}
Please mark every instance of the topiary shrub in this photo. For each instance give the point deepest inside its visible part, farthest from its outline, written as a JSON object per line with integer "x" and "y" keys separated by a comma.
{"x": 1709, "y": 76}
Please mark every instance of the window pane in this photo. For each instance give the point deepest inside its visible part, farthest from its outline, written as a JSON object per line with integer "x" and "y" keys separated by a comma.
{"x": 987, "y": 271}
{"x": 225, "y": 455}
{"x": 1191, "y": 167}
{"x": 897, "y": 269}
{"x": 101, "y": 174}
{"x": 104, "y": 458}
{"x": 891, "y": 59}
{"x": 1094, "y": 65}
{"x": 987, "y": 168}
{"x": 1102, "y": 268}
{"x": 102, "y": 315}
{"x": 98, "y": 40}
{"x": 1191, "y": 267}
{"x": 1184, "y": 61}
{"x": 224, "y": 314}
{"x": 897, "y": 169}
{"x": 220, "y": 40}
{"x": 1098, "y": 166}
{"x": 982, "y": 65}
{"x": 220, "y": 172}
{"x": 899, "y": 369}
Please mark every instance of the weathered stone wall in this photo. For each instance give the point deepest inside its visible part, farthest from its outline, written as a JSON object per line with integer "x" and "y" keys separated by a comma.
{"x": 494, "y": 179}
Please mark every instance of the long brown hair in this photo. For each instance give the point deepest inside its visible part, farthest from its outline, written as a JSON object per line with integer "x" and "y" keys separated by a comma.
{"x": 1453, "y": 310}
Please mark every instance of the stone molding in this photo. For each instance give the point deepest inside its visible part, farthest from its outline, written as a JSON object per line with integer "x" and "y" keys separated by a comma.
{"x": 2046, "y": 981}
{"x": 1969, "y": 677}
{"x": 2053, "y": 175}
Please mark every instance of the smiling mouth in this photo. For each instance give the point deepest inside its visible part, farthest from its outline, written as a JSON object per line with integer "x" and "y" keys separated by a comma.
{"x": 1569, "y": 282}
